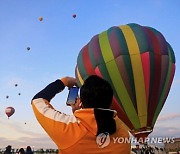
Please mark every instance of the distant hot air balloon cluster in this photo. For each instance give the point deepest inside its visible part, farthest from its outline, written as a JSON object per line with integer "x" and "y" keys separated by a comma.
{"x": 9, "y": 111}
{"x": 41, "y": 19}
{"x": 139, "y": 64}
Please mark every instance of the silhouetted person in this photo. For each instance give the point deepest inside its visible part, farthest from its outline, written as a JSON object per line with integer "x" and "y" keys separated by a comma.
{"x": 8, "y": 150}
{"x": 21, "y": 151}
{"x": 29, "y": 150}
{"x": 138, "y": 150}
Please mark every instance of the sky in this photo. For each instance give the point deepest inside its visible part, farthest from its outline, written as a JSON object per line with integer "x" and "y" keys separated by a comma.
{"x": 54, "y": 46}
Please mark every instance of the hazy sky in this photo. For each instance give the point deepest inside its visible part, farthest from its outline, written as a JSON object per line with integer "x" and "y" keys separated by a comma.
{"x": 55, "y": 43}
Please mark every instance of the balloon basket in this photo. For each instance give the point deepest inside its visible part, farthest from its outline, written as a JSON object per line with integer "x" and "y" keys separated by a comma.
{"x": 141, "y": 135}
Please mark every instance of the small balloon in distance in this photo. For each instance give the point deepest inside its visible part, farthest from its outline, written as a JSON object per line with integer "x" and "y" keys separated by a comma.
{"x": 7, "y": 97}
{"x": 19, "y": 94}
{"x": 74, "y": 15}
{"x": 40, "y": 18}
{"x": 16, "y": 85}
{"x": 28, "y": 48}
{"x": 9, "y": 111}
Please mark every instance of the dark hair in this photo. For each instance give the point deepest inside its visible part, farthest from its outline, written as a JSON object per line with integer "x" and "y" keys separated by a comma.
{"x": 21, "y": 151}
{"x": 29, "y": 150}
{"x": 8, "y": 150}
{"x": 96, "y": 93}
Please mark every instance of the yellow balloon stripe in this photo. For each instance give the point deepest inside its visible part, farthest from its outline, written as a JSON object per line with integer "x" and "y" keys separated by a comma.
{"x": 117, "y": 79}
{"x": 137, "y": 73}
{"x": 79, "y": 76}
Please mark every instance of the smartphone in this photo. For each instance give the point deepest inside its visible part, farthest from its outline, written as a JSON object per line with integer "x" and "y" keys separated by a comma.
{"x": 73, "y": 93}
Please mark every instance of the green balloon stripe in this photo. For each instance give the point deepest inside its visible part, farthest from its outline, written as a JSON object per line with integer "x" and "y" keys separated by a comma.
{"x": 173, "y": 59}
{"x": 98, "y": 61}
{"x": 164, "y": 91}
{"x": 106, "y": 76}
{"x": 117, "y": 41}
{"x": 164, "y": 72}
{"x": 127, "y": 61}
{"x": 91, "y": 54}
{"x": 117, "y": 79}
{"x": 120, "y": 62}
{"x": 95, "y": 48}
{"x": 140, "y": 37}
{"x": 77, "y": 77}
{"x": 81, "y": 67}
{"x": 121, "y": 54}
{"x": 103, "y": 70}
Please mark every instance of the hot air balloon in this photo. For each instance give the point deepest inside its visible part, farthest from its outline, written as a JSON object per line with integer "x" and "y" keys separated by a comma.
{"x": 28, "y": 48}
{"x": 9, "y": 111}
{"x": 40, "y": 18}
{"x": 16, "y": 85}
{"x": 139, "y": 64}
{"x": 74, "y": 15}
{"x": 7, "y": 96}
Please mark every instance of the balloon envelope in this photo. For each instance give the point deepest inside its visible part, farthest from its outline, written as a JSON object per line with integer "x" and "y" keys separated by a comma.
{"x": 28, "y": 48}
{"x": 40, "y": 18}
{"x": 74, "y": 15}
{"x": 9, "y": 111}
{"x": 139, "y": 64}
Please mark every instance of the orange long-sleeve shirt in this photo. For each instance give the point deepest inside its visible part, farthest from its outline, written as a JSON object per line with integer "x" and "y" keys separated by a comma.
{"x": 87, "y": 131}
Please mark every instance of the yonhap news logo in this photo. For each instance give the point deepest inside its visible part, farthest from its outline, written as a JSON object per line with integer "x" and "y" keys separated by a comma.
{"x": 103, "y": 140}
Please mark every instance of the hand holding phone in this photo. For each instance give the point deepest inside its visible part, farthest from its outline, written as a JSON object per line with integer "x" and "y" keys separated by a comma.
{"x": 73, "y": 93}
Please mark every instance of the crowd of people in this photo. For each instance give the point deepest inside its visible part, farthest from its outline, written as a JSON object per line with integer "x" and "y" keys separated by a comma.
{"x": 147, "y": 150}
{"x": 28, "y": 150}
{"x": 9, "y": 150}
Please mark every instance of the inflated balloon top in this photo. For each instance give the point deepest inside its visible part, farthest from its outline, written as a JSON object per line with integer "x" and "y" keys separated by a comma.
{"x": 9, "y": 111}
{"x": 139, "y": 64}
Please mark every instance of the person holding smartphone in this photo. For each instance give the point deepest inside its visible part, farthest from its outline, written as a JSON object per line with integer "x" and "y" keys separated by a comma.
{"x": 93, "y": 127}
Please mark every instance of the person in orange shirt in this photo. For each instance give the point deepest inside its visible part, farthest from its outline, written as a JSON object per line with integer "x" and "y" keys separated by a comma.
{"x": 93, "y": 127}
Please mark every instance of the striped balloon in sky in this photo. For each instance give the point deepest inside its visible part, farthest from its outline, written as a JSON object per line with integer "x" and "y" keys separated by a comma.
{"x": 139, "y": 64}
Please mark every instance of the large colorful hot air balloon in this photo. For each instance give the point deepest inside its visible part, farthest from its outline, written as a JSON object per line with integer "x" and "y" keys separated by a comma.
{"x": 9, "y": 111}
{"x": 139, "y": 64}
